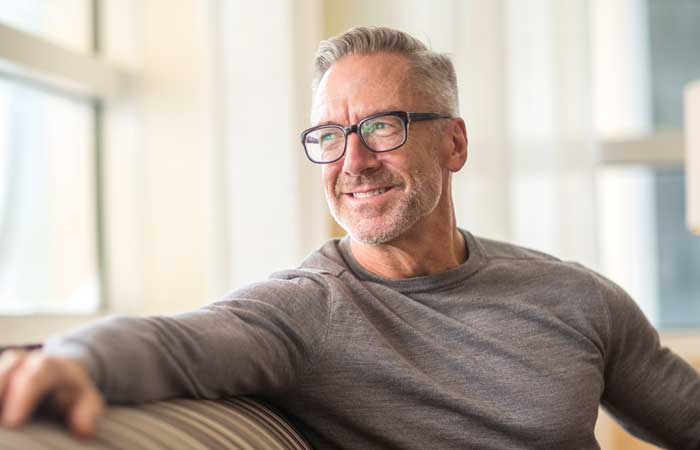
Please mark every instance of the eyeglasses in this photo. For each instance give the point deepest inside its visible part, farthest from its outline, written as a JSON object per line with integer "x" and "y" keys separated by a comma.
{"x": 381, "y": 132}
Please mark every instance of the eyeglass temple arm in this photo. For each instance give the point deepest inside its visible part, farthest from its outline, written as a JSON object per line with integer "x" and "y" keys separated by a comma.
{"x": 418, "y": 117}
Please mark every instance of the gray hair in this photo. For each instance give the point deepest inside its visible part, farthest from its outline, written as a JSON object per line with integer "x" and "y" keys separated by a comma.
{"x": 433, "y": 71}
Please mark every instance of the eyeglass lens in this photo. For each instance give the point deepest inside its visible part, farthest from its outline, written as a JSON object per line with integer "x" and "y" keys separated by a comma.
{"x": 379, "y": 134}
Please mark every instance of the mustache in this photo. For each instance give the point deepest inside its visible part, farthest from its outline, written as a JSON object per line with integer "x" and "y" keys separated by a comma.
{"x": 348, "y": 184}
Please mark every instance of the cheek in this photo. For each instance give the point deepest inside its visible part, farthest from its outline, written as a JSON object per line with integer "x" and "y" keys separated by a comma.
{"x": 428, "y": 173}
{"x": 329, "y": 174}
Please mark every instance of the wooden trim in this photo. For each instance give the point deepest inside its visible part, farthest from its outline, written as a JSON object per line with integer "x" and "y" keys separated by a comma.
{"x": 28, "y": 57}
{"x": 664, "y": 148}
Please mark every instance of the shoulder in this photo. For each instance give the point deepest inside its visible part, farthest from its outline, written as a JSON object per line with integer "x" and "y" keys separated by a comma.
{"x": 566, "y": 287}
{"x": 316, "y": 278}
{"x": 518, "y": 259}
{"x": 517, "y": 264}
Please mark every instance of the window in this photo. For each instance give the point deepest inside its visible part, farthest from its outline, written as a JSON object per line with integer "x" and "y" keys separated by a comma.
{"x": 48, "y": 239}
{"x": 646, "y": 219}
{"x": 52, "y": 84}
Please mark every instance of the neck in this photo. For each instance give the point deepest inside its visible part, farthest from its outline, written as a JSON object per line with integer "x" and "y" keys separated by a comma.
{"x": 417, "y": 253}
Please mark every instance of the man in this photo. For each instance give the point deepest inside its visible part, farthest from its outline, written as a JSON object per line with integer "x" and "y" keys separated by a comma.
{"x": 409, "y": 333}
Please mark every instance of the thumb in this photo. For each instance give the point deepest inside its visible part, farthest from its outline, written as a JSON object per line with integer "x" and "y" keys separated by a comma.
{"x": 83, "y": 414}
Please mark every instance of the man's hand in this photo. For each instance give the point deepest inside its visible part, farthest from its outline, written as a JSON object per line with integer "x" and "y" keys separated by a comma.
{"x": 27, "y": 378}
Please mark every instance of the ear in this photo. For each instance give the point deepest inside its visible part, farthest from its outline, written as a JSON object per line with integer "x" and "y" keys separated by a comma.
{"x": 457, "y": 136}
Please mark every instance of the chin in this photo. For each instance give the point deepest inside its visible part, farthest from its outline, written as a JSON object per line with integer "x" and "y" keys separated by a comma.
{"x": 376, "y": 234}
{"x": 372, "y": 238}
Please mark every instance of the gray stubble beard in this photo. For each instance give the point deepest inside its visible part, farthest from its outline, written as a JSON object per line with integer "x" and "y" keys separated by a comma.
{"x": 416, "y": 206}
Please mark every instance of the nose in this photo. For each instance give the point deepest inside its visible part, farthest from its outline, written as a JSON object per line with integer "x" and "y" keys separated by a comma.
{"x": 358, "y": 159}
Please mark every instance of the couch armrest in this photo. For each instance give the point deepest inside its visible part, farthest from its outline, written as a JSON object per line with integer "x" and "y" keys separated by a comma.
{"x": 237, "y": 423}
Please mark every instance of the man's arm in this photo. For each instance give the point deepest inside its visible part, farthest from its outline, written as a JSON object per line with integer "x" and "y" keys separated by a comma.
{"x": 652, "y": 391}
{"x": 260, "y": 339}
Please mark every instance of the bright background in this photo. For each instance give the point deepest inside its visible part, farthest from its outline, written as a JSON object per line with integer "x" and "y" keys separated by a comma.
{"x": 149, "y": 158}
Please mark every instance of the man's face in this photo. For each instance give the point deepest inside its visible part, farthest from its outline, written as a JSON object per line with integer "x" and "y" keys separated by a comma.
{"x": 377, "y": 197}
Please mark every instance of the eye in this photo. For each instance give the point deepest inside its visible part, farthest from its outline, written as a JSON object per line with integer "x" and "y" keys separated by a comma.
{"x": 371, "y": 127}
{"x": 329, "y": 136}
{"x": 383, "y": 126}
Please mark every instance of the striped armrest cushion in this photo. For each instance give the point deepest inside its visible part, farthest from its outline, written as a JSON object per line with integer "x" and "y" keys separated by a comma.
{"x": 239, "y": 423}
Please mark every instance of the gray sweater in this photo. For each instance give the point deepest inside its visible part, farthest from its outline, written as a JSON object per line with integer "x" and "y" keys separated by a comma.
{"x": 511, "y": 350}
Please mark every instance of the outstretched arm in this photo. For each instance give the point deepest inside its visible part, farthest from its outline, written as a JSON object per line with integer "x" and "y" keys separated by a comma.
{"x": 260, "y": 339}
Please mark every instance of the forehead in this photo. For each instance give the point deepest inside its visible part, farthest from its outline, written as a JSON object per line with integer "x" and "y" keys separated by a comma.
{"x": 359, "y": 85}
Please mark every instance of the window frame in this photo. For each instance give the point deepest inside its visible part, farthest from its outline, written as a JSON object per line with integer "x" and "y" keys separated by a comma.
{"x": 660, "y": 148}
{"x": 32, "y": 59}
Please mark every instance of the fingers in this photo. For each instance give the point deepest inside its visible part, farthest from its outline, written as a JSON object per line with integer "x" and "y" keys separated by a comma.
{"x": 27, "y": 378}
{"x": 83, "y": 415}
{"x": 10, "y": 360}
{"x": 28, "y": 384}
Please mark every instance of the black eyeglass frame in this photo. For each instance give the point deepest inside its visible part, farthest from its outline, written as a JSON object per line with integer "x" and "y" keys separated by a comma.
{"x": 406, "y": 118}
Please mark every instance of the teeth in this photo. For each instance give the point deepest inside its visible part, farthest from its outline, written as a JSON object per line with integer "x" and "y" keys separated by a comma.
{"x": 369, "y": 193}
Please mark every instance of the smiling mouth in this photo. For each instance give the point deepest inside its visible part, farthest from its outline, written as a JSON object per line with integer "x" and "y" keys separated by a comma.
{"x": 369, "y": 194}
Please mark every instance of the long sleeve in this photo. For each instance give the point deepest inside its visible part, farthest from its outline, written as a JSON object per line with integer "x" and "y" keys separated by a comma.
{"x": 261, "y": 338}
{"x": 652, "y": 391}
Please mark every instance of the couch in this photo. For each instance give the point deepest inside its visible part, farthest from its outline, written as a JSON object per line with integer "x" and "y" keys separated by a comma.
{"x": 239, "y": 423}
{"x": 236, "y": 423}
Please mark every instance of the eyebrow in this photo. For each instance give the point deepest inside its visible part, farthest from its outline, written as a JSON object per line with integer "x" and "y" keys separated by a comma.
{"x": 378, "y": 111}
